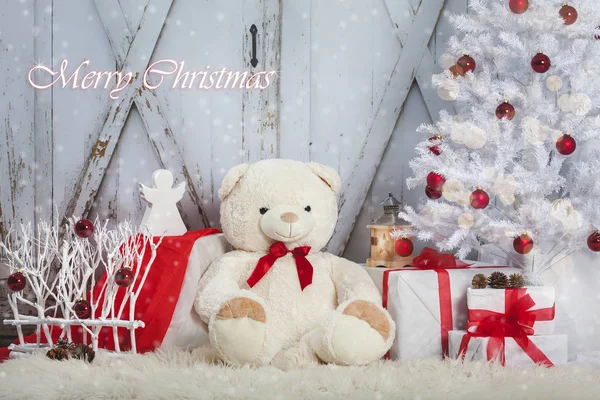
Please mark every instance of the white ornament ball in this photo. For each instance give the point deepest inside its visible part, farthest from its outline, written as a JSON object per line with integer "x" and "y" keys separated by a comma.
{"x": 505, "y": 188}
{"x": 564, "y": 103}
{"x": 466, "y": 220}
{"x": 581, "y": 104}
{"x": 464, "y": 198}
{"x": 468, "y": 134}
{"x": 554, "y": 83}
{"x": 533, "y": 130}
{"x": 452, "y": 189}
{"x": 448, "y": 90}
{"x": 447, "y": 60}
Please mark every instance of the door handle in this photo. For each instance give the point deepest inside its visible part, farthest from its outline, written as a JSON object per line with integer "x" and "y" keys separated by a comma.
{"x": 254, "y": 31}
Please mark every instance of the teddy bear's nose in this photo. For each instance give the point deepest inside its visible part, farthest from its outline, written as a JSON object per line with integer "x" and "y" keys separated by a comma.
{"x": 289, "y": 217}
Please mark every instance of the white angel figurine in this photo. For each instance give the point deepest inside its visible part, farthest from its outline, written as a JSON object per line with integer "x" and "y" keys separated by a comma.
{"x": 162, "y": 216}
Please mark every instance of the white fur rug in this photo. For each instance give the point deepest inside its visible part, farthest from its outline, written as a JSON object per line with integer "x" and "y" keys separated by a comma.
{"x": 183, "y": 375}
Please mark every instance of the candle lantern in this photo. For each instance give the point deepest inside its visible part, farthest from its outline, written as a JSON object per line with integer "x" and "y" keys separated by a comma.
{"x": 385, "y": 250}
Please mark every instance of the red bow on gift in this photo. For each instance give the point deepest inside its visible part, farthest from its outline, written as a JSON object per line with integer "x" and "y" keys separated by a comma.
{"x": 278, "y": 250}
{"x": 516, "y": 323}
{"x": 432, "y": 259}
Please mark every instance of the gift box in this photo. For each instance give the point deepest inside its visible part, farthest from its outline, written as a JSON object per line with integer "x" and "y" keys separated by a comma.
{"x": 532, "y": 307}
{"x": 426, "y": 302}
{"x": 521, "y": 351}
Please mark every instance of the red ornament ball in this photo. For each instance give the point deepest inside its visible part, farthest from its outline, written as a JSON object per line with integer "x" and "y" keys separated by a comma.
{"x": 435, "y": 149}
{"x": 505, "y": 110}
{"x": 479, "y": 199}
{"x": 593, "y": 241}
{"x": 568, "y": 13}
{"x": 84, "y": 228}
{"x": 523, "y": 244}
{"x": 404, "y": 247}
{"x": 16, "y": 281}
{"x": 83, "y": 309}
{"x": 518, "y": 6}
{"x": 124, "y": 277}
{"x": 566, "y": 145}
{"x": 466, "y": 63}
{"x": 432, "y": 193}
{"x": 598, "y": 34}
{"x": 540, "y": 63}
{"x": 435, "y": 181}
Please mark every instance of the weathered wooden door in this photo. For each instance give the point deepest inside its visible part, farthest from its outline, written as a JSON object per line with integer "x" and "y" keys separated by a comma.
{"x": 353, "y": 85}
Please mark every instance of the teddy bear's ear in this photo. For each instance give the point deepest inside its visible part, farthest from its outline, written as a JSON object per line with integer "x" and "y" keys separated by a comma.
{"x": 231, "y": 179}
{"x": 328, "y": 175}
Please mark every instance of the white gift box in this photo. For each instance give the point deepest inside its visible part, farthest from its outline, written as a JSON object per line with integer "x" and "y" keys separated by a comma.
{"x": 412, "y": 297}
{"x": 494, "y": 301}
{"x": 553, "y": 347}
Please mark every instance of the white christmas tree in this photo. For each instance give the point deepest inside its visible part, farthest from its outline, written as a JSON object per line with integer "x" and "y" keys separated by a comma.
{"x": 509, "y": 168}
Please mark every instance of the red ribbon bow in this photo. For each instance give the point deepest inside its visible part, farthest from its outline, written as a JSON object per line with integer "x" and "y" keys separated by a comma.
{"x": 432, "y": 259}
{"x": 516, "y": 323}
{"x": 276, "y": 251}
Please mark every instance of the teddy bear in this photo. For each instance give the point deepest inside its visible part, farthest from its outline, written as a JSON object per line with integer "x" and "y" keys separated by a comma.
{"x": 278, "y": 298}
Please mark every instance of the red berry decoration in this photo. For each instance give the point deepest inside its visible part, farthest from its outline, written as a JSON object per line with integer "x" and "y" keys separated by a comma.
{"x": 505, "y": 110}
{"x": 479, "y": 199}
{"x": 432, "y": 193}
{"x": 593, "y": 241}
{"x": 541, "y": 63}
{"x": 124, "y": 277}
{"x": 518, "y": 6}
{"x": 598, "y": 34}
{"x": 404, "y": 247}
{"x": 566, "y": 145}
{"x": 16, "y": 281}
{"x": 435, "y": 149}
{"x": 83, "y": 309}
{"x": 435, "y": 181}
{"x": 523, "y": 244}
{"x": 568, "y": 13}
{"x": 466, "y": 63}
{"x": 84, "y": 228}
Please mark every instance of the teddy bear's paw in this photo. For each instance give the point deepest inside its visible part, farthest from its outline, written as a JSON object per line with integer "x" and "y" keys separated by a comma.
{"x": 360, "y": 334}
{"x": 372, "y": 315}
{"x": 238, "y": 331}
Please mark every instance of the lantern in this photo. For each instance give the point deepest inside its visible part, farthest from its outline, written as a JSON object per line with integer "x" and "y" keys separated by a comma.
{"x": 384, "y": 251}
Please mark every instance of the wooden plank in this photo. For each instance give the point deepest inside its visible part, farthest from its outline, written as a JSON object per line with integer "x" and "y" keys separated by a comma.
{"x": 260, "y": 117}
{"x": 17, "y": 153}
{"x": 151, "y": 111}
{"x": 42, "y": 122}
{"x": 428, "y": 65}
{"x": 355, "y": 190}
{"x": 296, "y": 81}
{"x": 138, "y": 55}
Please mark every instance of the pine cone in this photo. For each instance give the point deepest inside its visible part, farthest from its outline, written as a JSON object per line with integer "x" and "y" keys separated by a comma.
{"x": 516, "y": 281}
{"x": 63, "y": 344}
{"x": 83, "y": 352}
{"x": 58, "y": 353}
{"x": 480, "y": 281}
{"x": 498, "y": 280}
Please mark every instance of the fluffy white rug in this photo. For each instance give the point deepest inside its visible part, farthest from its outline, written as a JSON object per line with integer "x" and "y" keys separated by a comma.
{"x": 184, "y": 375}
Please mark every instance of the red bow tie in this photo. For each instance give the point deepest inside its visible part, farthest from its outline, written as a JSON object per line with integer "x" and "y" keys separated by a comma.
{"x": 277, "y": 250}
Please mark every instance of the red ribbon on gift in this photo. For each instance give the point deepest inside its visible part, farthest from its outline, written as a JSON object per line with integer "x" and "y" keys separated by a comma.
{"x": 440, "y": 263}
{"x": 516, "y": 323}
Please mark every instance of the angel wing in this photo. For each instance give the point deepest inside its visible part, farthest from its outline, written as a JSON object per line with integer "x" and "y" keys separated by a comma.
{"x": 147, "y": 194}
{"x": 178, "y": 191}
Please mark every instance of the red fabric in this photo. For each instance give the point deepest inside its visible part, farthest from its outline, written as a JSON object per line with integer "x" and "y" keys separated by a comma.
{"x": 431, "y": 259}
{"x": 276, "y": 251}
{"x": 156, "y": 302}
{"x": 516, "y": 323}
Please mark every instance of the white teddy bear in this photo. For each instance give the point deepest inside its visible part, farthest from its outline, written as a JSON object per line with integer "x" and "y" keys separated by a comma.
{"x": 278, "y": 296}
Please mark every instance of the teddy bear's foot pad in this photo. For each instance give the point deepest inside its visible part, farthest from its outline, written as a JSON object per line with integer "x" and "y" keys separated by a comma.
{"x": 355, "y": 342}
{"x": 238, "y": 340}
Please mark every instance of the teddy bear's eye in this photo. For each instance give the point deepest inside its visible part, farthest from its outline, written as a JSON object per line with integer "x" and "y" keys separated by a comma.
{"x": 263, "y": 210}
{"x": 307, "y": 208}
